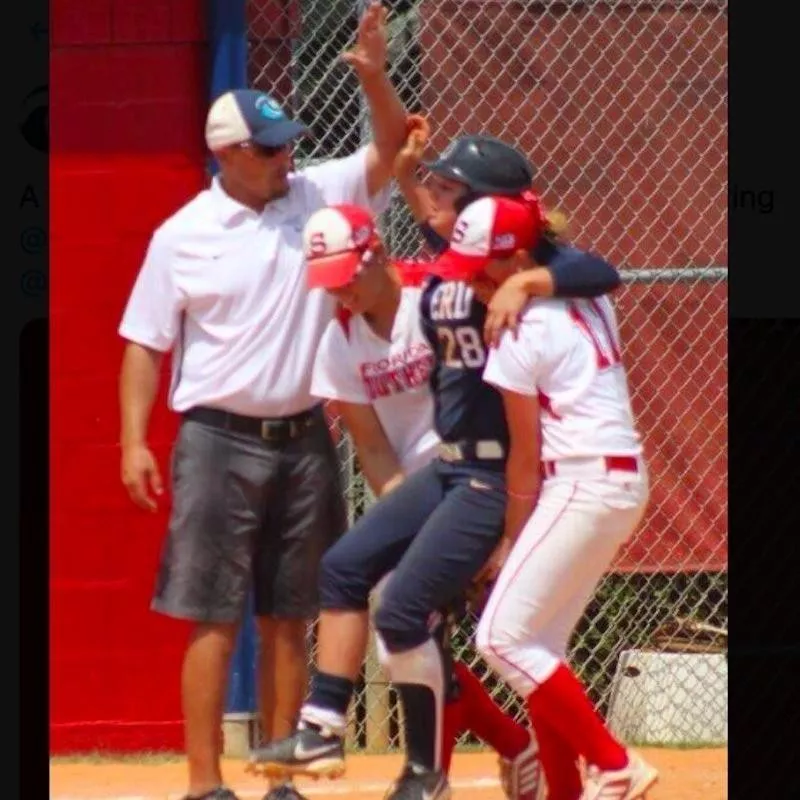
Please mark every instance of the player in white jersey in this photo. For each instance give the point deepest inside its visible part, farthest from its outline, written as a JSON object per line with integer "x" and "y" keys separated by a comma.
{"x": 577, "y": 488}
{"x": 374, "y": 363}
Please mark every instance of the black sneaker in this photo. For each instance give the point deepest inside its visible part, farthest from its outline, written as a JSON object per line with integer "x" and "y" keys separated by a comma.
{"x": 220, "y": 793}
{"x": 286, "y": 791}
{"x": 308, "y": 751}
{"x": 419, "y": 784}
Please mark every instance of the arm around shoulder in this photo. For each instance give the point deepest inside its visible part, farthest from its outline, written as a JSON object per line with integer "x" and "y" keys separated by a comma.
{"x": 551, "y": 269}
{"x": 571, "y": 272}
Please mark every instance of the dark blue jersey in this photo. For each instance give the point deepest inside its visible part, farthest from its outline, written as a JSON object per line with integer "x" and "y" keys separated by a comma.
{"x": 465, "y": 407}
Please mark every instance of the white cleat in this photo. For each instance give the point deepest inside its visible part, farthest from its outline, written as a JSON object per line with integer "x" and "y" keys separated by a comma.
{"x": 629, "y": 783}
{"x": 522, "y": 778}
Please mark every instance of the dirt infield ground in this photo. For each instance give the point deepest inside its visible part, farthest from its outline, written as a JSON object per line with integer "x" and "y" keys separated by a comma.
{"x": 685, "y": 775}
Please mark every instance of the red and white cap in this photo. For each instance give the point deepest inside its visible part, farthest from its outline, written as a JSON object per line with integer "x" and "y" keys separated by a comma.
{"x": 335, "y": 239}
{"x": 487, "y": 229}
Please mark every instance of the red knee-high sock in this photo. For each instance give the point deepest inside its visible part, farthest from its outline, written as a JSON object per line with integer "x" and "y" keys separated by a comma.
{"x": 452, "y": 727}
{"x": 559, "y": 762}
{"x": 486, "y": 719}
{"x": 561, "y": 703}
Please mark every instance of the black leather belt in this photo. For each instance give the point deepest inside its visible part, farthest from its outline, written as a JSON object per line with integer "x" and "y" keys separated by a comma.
{"x": 275, "y": 429}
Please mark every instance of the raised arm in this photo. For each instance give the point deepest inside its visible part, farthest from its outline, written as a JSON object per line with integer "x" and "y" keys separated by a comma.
{"x": 407, "y": 162}
{"x": 387, "y": 114}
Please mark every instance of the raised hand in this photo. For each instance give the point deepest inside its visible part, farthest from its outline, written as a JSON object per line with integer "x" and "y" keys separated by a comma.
{"x": 368, "y": 56}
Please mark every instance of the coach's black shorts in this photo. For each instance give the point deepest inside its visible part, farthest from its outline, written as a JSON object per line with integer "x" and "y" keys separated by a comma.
{"x": 248, "y": 513}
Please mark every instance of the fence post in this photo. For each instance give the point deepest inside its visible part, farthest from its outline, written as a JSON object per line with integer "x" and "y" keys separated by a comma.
{"x": 227, "y": 40}
{"x": 378, "y": 710}
{"x": 241, "y": 708}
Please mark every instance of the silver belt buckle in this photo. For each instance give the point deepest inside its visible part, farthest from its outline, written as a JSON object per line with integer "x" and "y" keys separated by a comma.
{"x": 266, "y": 430}
{"x": 450, "y": 452}
{"x": 294, "y": 428}
{"x": 489, "y": 449}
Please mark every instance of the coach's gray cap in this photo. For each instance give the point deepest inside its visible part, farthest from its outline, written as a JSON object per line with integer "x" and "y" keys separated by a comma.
{"x": 247, "y": 115}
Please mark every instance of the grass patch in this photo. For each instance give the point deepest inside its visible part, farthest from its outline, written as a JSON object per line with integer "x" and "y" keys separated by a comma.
{"x": 146, "y": 757}
{"x": 680, "y": 745}
{"x": 473, "y": 747}
{"x": 469, "y": 747}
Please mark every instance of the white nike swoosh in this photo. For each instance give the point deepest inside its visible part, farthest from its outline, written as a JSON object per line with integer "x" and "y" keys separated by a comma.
{"x": 301, "y": 754}
{"x": 428, "y": 795}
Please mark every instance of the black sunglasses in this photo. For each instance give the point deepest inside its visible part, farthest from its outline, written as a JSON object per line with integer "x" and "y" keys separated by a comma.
{"x": 265, "y": 150}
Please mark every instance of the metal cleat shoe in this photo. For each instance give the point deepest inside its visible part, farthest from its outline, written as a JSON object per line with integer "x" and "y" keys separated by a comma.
{"x": 629, "y": 783}
{"x": 318, "y": 753}
{"x": 286, "y": 791}
{"x": 220, "y": 793}
{"x": 522, "y": 778}
{"x": 419, "y": 784}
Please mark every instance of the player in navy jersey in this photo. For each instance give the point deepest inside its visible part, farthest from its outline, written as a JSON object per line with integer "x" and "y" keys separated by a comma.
{"x": 434, "y": 532}
{"x": 374, "y": 362}
{"x": 473, "y": 166}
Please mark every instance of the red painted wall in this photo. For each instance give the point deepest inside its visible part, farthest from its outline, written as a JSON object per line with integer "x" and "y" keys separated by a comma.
{"x": 128, "y": 98}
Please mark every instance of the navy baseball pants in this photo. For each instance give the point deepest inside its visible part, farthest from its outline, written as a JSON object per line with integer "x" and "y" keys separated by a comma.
{"x": 435, "y": 531}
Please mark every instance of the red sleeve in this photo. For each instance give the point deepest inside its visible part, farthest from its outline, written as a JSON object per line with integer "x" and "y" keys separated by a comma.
{"x": 411, "y": 273}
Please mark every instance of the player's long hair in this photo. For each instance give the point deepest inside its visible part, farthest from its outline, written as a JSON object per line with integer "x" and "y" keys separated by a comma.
{"x": 556, "y": 224}
{"x": 553, "y": 222}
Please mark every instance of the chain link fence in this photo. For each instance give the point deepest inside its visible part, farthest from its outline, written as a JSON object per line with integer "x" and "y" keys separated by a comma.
{"x": 622, "y": 108}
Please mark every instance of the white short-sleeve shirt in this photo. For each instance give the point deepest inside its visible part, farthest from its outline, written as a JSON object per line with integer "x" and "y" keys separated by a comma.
{"x": 224, "y": 288}
{"x": 569, "y": 354}
{"x": 355, "y": 365}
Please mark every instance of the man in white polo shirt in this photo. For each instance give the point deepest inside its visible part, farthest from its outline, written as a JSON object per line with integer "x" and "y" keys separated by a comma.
{"x": 256, "y": 496}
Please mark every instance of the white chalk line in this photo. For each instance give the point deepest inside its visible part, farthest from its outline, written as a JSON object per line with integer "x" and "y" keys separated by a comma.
{"x": 333, "y": 788}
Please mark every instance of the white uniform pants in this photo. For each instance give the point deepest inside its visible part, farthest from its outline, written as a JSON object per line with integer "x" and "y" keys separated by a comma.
{"x": 566, "y": 546}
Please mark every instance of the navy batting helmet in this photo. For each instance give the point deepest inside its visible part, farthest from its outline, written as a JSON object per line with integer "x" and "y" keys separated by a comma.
{"x": 485, "y": 164}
